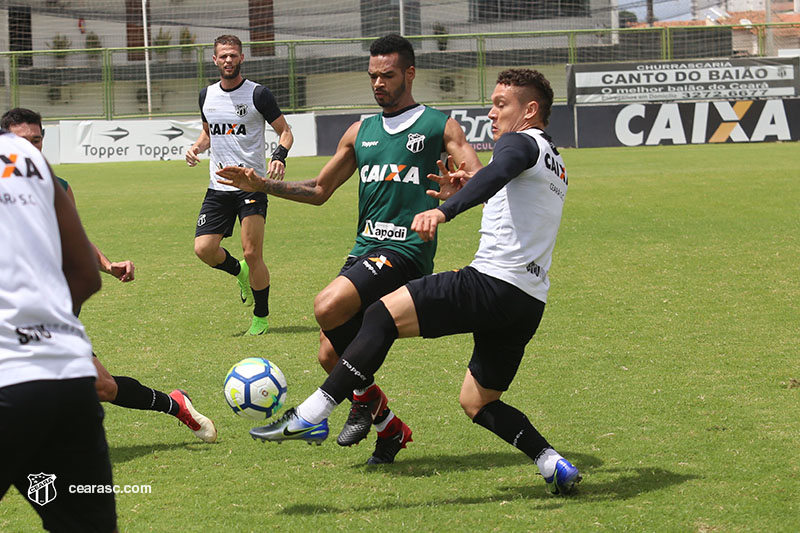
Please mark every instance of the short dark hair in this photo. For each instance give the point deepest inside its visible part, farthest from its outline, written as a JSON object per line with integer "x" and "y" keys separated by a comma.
{"x": 536, "y": 82}
{"x": 20, "y": 115}
{"x": 389, "y": 44}
{"x": 228, "y": 39}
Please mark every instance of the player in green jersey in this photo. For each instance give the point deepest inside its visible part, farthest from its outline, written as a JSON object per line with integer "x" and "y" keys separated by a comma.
{"x": 392, "y": 153}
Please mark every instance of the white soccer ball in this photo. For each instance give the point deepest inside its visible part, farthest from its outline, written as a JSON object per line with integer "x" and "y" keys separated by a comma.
{"x": 255, "y": 388}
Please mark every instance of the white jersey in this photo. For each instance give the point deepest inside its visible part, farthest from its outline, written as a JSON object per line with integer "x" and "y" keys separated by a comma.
{"x": 236, "y": 125}
{"x": 40, "y": 338}
{"x": 520, "y": 223}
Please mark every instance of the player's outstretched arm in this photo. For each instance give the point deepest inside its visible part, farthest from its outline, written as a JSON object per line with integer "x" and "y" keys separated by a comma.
{"x": 316, "y": 191}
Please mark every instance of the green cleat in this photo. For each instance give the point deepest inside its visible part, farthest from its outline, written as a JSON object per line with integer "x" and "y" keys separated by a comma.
{"x": 243, "y": 280}
{"x": 259, "y": 326}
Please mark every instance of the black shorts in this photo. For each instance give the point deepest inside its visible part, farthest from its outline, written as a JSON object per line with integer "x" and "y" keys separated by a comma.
{"x": 378, "y": 273}
{"x": 220, "y": 208}
{"x": 501, "y": 318}
{"x": 53, "y": 438}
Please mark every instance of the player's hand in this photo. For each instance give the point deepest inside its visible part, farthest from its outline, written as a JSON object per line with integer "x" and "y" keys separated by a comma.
{"x": 276, "y": 170}
{"x": 425, "y": 223}
{"x": 242, "y": 178}
{"x": 191, "y": 156}
{"x": 450, "y": 182}
{"x": 122, "y": 270}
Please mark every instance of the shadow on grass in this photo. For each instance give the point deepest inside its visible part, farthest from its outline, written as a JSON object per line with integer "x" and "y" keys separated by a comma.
{"x": 617, "y": 483}
{"x": 282, "y": 329}
{"x": 123, "y": 454}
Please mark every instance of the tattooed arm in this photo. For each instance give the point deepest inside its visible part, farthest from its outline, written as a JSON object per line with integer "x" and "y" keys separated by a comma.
{"x": 315, "y": 191}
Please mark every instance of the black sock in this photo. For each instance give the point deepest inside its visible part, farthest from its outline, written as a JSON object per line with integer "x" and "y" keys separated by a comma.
{"x": 511, "y": 425}
{"x": 230, "y": 264}
{"x": 261, "y": 299}
{"x": 364, "y": 356}
{"x": 133, "y": 395}
{"x": 341, "y": 336}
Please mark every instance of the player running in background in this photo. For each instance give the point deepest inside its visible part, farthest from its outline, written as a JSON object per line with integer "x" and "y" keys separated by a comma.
{"x": 500, "y": 297}
{"x": 234, "y": 111}
{"x": 123, "y": 391}
{"x": 392, "y": 152}
{"x": 46, "y": 371}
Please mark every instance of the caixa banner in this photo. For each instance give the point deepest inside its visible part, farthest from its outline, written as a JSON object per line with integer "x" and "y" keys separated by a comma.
{"x": 740, "y": 121}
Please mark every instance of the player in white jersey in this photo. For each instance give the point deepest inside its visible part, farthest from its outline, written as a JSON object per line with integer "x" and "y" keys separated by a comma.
{"x": 46, "y": 371}
{"x": 500, "y": 297}
{"x": 234, "y": 112}
{"x": 123, "y": 391}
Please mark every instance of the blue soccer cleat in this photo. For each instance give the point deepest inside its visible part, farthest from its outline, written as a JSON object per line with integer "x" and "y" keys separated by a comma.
{"x": 292, "y": 427}
{"x": 564, "y": 478}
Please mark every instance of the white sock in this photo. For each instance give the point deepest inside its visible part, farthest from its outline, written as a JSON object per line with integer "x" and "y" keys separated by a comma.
{"x": 316, "y": 407}
{"x": 380, "y": 427}
{"x": 362, "y": 392}
{"x": 547, "y": 462}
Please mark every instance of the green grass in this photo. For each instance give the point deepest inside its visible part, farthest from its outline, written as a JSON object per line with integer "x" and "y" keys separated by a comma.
{"x": 663, "y": 367}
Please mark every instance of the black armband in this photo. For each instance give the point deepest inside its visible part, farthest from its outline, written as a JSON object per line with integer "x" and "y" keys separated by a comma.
{"x": 280, "y": 154}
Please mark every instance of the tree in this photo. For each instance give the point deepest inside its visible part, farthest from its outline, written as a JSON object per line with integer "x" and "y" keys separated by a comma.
{"x": 627, "y": 19}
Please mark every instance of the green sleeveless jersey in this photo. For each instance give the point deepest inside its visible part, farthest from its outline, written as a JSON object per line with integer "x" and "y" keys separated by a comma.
{"x": 393, "y": 170}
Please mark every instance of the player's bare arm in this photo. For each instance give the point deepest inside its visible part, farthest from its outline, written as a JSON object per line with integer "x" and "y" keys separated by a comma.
{"x": 78, "y": 264}
{"x": 315, "y": 191}
{"x": 456, "y": 144}
{"x": 277, "y": 167}
{"x": 201, "y": 145}
{"x": 122, "y": 270}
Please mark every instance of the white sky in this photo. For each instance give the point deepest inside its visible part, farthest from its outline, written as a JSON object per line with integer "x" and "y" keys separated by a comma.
{"x": 664, "y": 9}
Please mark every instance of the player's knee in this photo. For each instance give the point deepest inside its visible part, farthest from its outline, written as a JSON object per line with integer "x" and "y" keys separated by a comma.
{"x": 251, "y": 256}
{"x": 204, "y": 252}
{"x": 106, "y": 388}
{"x": 470, "y": 405}
{"x": 327, "y": 311}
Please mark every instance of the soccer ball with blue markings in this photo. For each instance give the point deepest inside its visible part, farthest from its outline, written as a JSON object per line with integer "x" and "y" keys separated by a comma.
{"x": 255, "y": 388}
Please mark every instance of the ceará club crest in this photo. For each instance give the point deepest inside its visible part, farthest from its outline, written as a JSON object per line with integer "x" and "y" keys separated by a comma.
{"x": 416, "y": 142}
{"x": 240, "y": 109}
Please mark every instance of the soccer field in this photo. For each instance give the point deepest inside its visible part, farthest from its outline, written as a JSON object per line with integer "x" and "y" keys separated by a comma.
{"x": 665, "y": 367}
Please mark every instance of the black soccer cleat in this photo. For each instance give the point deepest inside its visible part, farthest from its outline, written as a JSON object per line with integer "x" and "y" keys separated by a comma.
{"x": 360, "y": 418}
{"x": 386, "y": 448}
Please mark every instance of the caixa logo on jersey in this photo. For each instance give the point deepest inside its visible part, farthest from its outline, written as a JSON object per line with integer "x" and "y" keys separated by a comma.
{"x": 700, "y": 123}
{"x": 389, "y": 172}
{"x": 226, "y": 129}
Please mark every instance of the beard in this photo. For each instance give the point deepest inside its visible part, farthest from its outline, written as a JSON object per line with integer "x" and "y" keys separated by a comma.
{"x": 391, "y": 99}
{"x": 232, "y": 75}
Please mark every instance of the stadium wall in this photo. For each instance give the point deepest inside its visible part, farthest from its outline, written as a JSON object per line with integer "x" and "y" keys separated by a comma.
{"x": 741, "y": 121}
